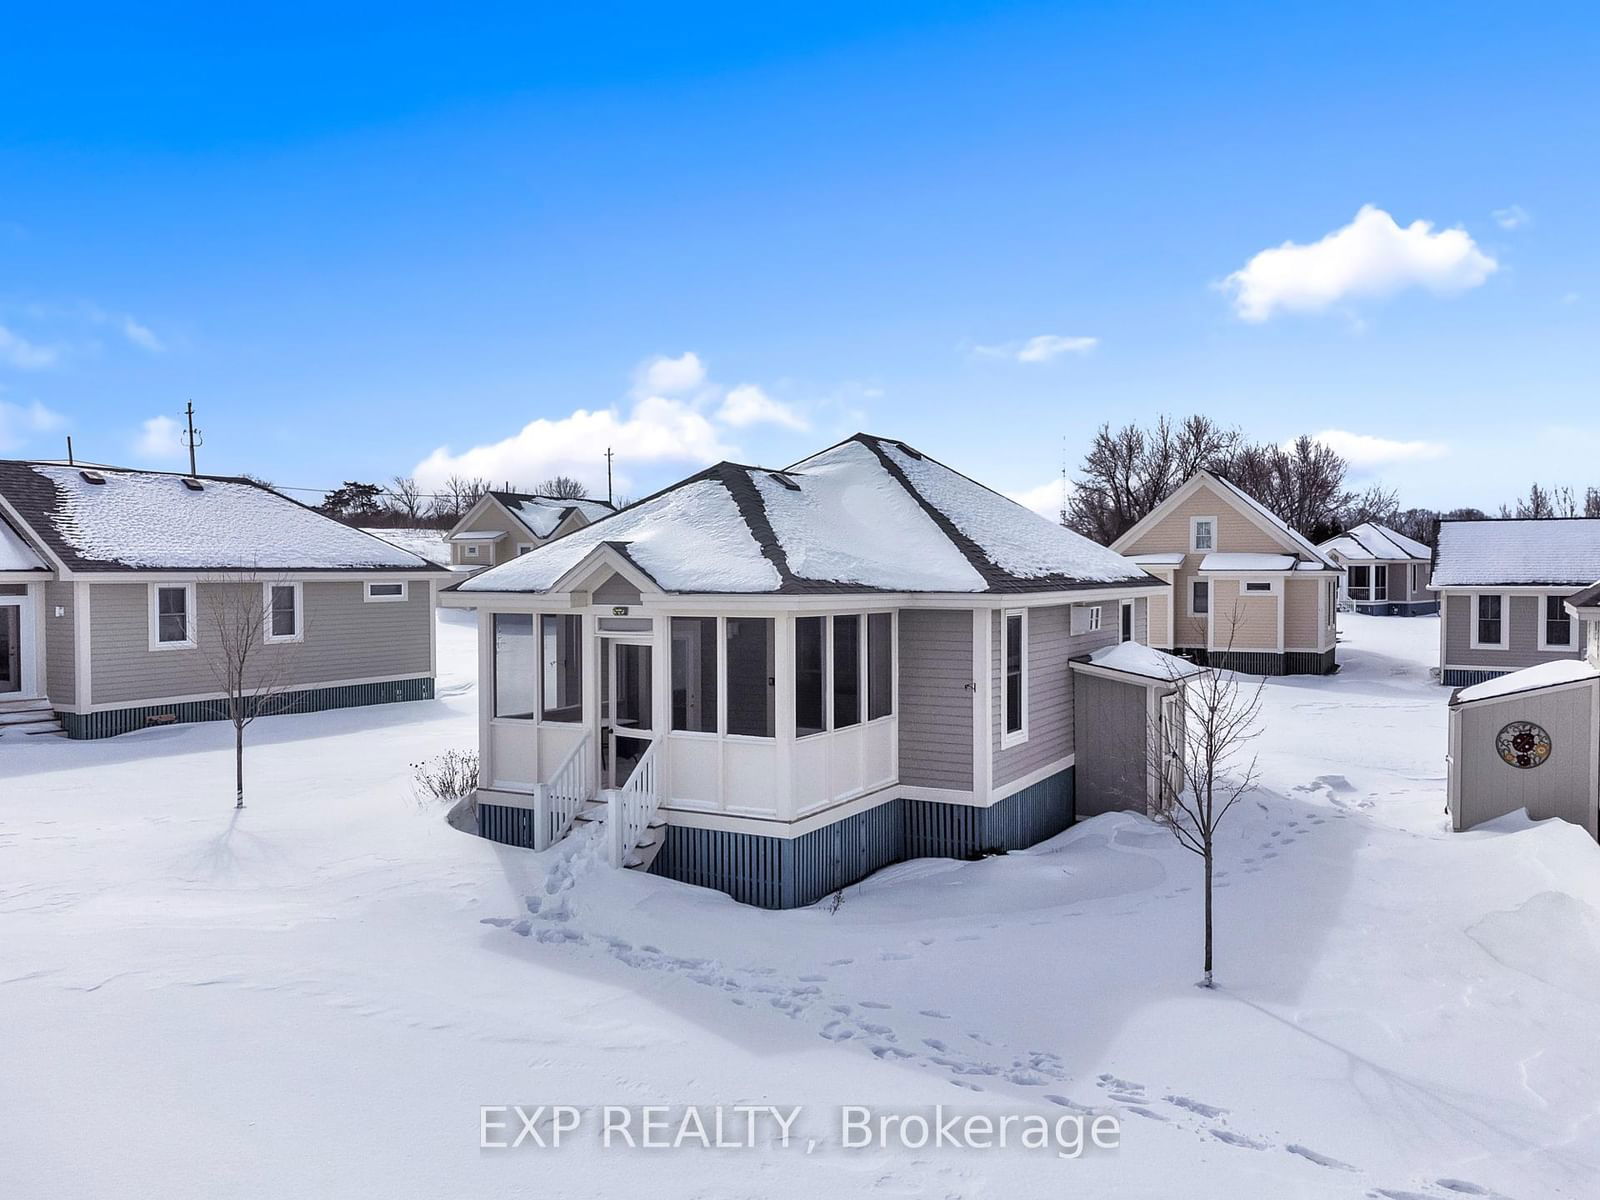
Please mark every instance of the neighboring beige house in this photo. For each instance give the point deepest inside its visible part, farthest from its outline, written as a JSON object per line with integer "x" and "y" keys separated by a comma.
{"x": 502, "y": 525}
{"x": 111, "y": 582}
{"x": 1386, "y": 574}
{"x": 1245, "y": 591}
{"x": 1503, "y": 586}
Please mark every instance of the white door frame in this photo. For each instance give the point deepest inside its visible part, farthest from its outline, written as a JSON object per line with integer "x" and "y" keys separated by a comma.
{"x": 28, "y": 644}
{"x": 605, "y": 722}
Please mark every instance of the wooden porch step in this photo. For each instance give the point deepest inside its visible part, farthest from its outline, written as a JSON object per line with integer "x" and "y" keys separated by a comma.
{"x": 34, "y": 728}
{"x": 26, "y": 716}
{"x": 10, "y": 708}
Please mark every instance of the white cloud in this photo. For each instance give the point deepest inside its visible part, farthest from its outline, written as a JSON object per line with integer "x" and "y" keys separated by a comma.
{"x": 141, "y": 336}
{"x": 1512, "y": 217}
{"x": 160, "y": 440}
{"x": 1039, "y": 349}
{"x": 17, "y": 351}
{"x": 1371, "y": 256}
{"x": 663, "y": 376}
{"x": 19, "y": 423}
{"x": 1365, "y": 450}
{"x": 748, "y": 405}
{"x": 1046, "y": 499}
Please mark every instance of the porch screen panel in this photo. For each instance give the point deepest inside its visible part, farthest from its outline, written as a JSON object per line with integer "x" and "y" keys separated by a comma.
{"x": 561, "y": 666}
{"x": 846, "y": 672}
{"x": 810, "y": 649}
{"x": 694, "y": 674}
{"x": 516, "y": 666}
{"x": 880, "y": 665}
{"x": 752, "y": 671}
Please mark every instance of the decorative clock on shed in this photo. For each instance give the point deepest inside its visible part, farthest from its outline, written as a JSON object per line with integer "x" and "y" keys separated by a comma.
{"x": 1523, "y": 744}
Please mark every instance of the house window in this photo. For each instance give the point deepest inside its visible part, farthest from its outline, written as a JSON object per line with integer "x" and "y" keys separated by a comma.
{"x": 846, "y": 671}
{"x": 561, "y": 666}
{"x": 1333, "y": 603}
{"x": 385, "y": 593}
{"x": 1416, "y": 580}
{"x": 172, "y": 614}
{"x": 1126, "y": 631}
{"x": 1490, "y": 621}
{"x": 810, "y": 653}
{"x": 1557, "y": 624}
{"x": 1203, "y": 534}
{"x": 1258, "y": 586}
{"x": 470, "y": 549}
{"x": 752, "y": 666}
{"x": 516, "y": 668}
{"x": 1360, "y": 583}
{"x": 1014, "y": 656}
{"x": 694, "y": 674}
{"x": 283, "y": 602}
{"x": 1380, "y": 583}
{"x": 523, "y": 548}
{"x": 880, "y": 665}
{"x": 1094, "y": 618}
{"x": 1199, "y": 597}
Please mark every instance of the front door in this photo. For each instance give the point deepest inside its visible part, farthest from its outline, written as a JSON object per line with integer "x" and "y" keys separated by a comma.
{"x": 10, "y": 648}
{"x": 627, "y": 690}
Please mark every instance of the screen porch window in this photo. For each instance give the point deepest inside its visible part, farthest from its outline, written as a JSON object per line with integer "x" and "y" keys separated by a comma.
{"x": 694, "y": 674}
{"x": 1491, "y": 621}
{"x": 516, "y": 667}
{"x": 1557, "y": 623}
{"x": 561, "y": 666}
{"x": 880, "y": 665}
{"x": 810, "y": 656}
{"x": 1360, "y": 584}
{"x": 172, "y": 616}
{"x": 846, "y": 672}
{"x": 1015, "y": 658}
{"x": 752, "y": 671}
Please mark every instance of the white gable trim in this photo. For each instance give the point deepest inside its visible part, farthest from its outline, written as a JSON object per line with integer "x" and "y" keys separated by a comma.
{"x": 1230, "y": 496}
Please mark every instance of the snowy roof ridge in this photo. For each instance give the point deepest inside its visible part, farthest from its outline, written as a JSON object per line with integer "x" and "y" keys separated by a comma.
{"x": 1263, "y": 511}
{"x": 1378, "y": 542}
{"x": 1518, "y": 552}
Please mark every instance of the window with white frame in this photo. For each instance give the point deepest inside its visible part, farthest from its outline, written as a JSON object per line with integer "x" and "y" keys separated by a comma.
{"x": 694, "y": 674}
{"x": 751, "y": 676}
{"x": 1359, "y": 582}
{"x": 843, "y": 671}
{"x": 1094, "y": 618}
{"x": 1202, "y": 534}
{"x": 1489, "y": 621}
{"x": 810, "y": 675}
{"x": 1258, "y": 586}
{"x": 561, "y": 667}
{"x": 516, "y": 667}
{"x": 523, "y": 548}
{"x": 388, "y": 592}
{"x": 1014, "y": 660}
{"x": 1199, "y": 597}
{"x": 1557, "y": 624}
{"x": 1332, "y": 599}
{"x": 880, "y": 665}
{"x": 172, "y": 616}
{"x": 283, "y": 605}
{"x": 470, "y": 549}
{"x": 1125, "y": 629}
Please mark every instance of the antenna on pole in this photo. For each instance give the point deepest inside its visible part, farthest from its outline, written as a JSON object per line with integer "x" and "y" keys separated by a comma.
{"x": 192, "y": 437}
{"x": 608, "y": 475}
{"x": 70, "y": 463}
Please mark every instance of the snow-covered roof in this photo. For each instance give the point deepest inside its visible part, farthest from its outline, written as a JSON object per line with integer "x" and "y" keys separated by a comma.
{"x": 1171, "y": 558}
{"x": 1248, "y": 562}
{"x": 425, "y": 543}
{"x": 1518, "y": 553}
{"x": 150, "y": 520}
{"x": 1146, "y": 662}
{"x": 1371, "y": 541}
{"x": 868, "y": 514}
{"x": 1266, "y": 514}
{"x": 479, "y": 536}
{"x": 16, "y": 554}
{"x": 542, "y": 515}
{"x": 1529, "y": 679}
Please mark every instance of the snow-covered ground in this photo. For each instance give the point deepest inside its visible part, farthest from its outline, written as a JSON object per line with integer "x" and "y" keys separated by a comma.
{"x": 314, "y": 996}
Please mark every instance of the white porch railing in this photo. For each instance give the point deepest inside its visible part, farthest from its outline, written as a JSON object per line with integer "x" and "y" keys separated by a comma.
{"x": 556, "y": 803}
{"x": 630, "y": 809}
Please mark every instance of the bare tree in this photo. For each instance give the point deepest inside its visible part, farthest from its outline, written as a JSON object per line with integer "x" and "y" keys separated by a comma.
{"x": 456, "y": 495}
{"x": 1128, "y": 471}
{"x": 239, "y": 613}
{"x": 1201, "y": 767}
{"x": 561, "y": 487}
{"x": 405, "y": 498}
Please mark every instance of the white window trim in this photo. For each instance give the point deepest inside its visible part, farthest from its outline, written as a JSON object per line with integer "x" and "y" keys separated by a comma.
{"x": 191, "y": 614}
{"x": 1194, "y": 542}
{"x": 367, "y": 586}
{"x": 470, "y": 550}
{"x": 523, "y": 548}
{"x": 1350, "y": 587}
{"x": 1017, "y": 738}
{"x": 1250, "y": 587}
{"x": 1096, "y": 618}
{"x": 299, "y": 634}
{"x": 1190, "y": 601}
{"x": 1505, "y": 622}
{"x": 1572, "y": 645}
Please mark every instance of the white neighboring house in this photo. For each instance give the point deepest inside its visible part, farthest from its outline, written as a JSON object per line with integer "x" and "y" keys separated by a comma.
{"x": 774, "y": 682}
{"x": 503, "y": 525}
{"x": 1386, "y": 574}
{"x": 109, "y": 580}
{"x": 1503, "y": 585}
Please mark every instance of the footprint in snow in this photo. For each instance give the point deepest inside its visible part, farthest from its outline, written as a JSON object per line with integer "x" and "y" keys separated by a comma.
{"x": 935, "y": 1014}
{"x": 935, "y": 1044}
{"x": 1209, "y": 1111}
{"x": 893, "y": 956}
{"x": 813, "y": 979}
{"x": 1462, "y": 1187}
{"x": 840, "y": 962}
{"x": 1147, "y": 1113}
{"x": 874, "y": 1004}
{"x": 1112, "y": 1083}
{"x": 1237, "y": 1139}
{"x": 890, "y": 1052}
{"x": 1322, "y": 1160}
{"x": 1071, "y": 1105}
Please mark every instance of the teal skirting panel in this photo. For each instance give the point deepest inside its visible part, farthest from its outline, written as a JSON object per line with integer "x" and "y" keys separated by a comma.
{"x": 353, "y": 695}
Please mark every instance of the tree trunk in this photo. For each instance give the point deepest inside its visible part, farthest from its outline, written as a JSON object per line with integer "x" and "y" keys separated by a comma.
{"x": 1208, "y": 980}
{"x": 238, "y": 785}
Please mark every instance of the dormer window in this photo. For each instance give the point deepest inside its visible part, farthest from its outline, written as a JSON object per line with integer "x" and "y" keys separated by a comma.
{"x": 1202, "y": 534}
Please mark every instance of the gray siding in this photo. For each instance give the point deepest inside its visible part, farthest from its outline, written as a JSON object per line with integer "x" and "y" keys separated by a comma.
{"x": 1051, "y": 646}
{"x": 346, "y": 638}
{"x": 1526, "y": 613}
{"x": 60, "y": 644}
{"x": 1141, "y": 620}
{"x": 1113, "y": 727}
{"x": 1490, "y": 787}
{"x": 935, "y": 700}
{"x": 616, "y": 590}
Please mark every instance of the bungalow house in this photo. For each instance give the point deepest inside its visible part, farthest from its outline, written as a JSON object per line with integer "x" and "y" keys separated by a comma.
{"x": 502, "y": 525}
{"x": 1530, "y": 739}
{"x": 1503, "y": 587}
{"x": 111, "y": 582}
{"x": 774, "y": 682}
{"x": 1244, "y": 590}
{"x": 1386, "y": 574}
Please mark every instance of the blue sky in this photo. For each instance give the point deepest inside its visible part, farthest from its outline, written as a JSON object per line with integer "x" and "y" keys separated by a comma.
{"x": 383, "y": 240}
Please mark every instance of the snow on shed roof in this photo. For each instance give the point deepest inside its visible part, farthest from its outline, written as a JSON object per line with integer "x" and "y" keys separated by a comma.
{"x": 1369, "y": 540}
{"x": 1529, "y": 679}
{"x": 151, "y": 520}
{"x": 1518, "y": 553}
{"x": 865, "y": 515}
{"x": 1134, "y": 658}
{"x": 16, "y": 554}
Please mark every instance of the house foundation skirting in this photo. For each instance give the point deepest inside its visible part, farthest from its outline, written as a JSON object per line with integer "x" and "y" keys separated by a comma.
{"x": 1396, "y": 608}
{"x": 110, "y": 722}
{"x": 1457, "y": 677}
{"x": 1264, "y": 662}
{"x": 774, "y": 872}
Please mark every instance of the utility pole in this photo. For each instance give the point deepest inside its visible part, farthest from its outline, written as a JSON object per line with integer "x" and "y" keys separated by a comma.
{"x": 192, "y": 438}
{"x": 608, "y": 475}
{"x": 70, "y": 463}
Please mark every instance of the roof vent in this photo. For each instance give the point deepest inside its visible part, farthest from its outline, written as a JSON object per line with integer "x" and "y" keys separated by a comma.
{"x": 92, "y": 476}
{"x": 194, "y": 485}
{"x": 785, "y": 480}
{"x": 909, "y": 452}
